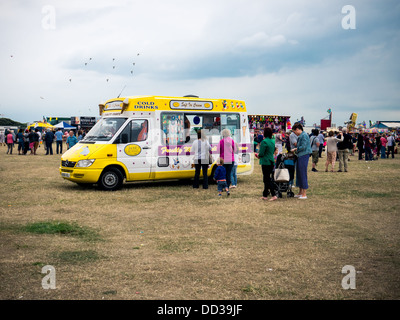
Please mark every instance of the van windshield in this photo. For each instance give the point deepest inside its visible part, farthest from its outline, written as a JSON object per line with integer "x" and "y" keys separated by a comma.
{"x": 105, "y": 129}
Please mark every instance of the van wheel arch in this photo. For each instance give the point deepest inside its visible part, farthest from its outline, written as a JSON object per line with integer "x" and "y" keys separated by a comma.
{"x": 112, "y": 178}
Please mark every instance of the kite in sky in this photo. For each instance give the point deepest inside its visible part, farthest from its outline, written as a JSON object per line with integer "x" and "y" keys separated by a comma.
{"x": 113, "y": 66}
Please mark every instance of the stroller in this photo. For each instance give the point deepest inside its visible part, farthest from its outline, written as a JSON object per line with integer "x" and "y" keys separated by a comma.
{"x": 285, "y": 161}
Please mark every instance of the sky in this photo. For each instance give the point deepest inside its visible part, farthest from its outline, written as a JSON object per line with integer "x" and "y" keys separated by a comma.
{"x": 295, "y": 58}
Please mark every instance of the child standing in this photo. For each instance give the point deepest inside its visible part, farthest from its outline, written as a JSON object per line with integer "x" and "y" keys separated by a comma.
{"x": 276, "y": 153}
{"x": 220, "y": 177}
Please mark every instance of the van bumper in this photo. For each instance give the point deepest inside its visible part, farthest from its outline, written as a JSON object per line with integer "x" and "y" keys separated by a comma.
{"x": 81, "y": 175}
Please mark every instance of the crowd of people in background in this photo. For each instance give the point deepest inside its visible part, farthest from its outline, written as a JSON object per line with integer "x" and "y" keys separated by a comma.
{"x": 29, "y": 140}
{"x": 339, "y": 146}
{"x": 369, "y": 146}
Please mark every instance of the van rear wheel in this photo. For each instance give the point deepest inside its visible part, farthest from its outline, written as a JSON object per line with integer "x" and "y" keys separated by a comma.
{"x": 111, "y": 179}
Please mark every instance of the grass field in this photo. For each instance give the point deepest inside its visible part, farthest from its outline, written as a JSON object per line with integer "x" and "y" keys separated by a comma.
{"x": 164, "y": 240}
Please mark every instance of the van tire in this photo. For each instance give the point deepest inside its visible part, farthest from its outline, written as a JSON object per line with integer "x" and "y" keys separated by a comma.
{"x": 111, "y": 179}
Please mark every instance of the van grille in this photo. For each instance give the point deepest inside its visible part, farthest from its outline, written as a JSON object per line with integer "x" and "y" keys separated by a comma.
{"x": 68, "y": 164}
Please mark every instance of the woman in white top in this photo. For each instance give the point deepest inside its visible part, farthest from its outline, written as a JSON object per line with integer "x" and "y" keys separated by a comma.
{"x": 331, "y": 150}
{"x": 201, "y": 149}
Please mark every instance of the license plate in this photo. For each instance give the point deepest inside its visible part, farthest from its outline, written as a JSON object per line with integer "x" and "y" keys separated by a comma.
{"x": 65, "y": 174}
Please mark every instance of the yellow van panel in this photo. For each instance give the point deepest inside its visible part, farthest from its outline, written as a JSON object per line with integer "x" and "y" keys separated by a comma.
{"x": 154, "y": 103}
{"x": 104, "y": 155}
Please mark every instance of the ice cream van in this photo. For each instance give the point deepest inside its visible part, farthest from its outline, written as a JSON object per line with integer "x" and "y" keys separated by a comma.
{"x": 143, "y": 138}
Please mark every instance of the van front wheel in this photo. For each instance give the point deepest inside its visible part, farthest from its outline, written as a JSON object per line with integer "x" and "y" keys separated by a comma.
{"x": 111, "y": 179}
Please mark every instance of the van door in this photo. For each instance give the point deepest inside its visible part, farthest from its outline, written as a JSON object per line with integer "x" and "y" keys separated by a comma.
{"x": 134, "y": 149}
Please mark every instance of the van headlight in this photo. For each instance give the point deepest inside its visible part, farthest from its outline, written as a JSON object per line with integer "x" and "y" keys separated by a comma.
{"x": 84, "y": 163}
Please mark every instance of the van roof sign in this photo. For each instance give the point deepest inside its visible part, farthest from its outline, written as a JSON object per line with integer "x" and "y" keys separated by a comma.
{"x": 113, "y": 105}
{"x": 189, "y": 104}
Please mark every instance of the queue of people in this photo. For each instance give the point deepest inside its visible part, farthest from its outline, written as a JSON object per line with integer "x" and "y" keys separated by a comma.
{"x": 226, "y": 173}
{"x": 30, "y": 140}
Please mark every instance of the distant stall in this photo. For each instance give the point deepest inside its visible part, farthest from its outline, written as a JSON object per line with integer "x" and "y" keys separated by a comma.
{"x": 40, "y": 125}
{"x": 85, "y": 123}
{"x": 275, "y": 122}
{"x": 376, "y": 130}
{"x": 64, "y": 125}
{"x": 390, "y": 125}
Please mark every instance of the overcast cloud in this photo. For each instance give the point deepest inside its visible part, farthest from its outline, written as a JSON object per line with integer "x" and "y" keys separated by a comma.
{"x": 281, "y": 57}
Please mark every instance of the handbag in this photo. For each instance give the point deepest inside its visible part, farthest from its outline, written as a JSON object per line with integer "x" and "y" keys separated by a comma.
{"x": 281, "y": 175}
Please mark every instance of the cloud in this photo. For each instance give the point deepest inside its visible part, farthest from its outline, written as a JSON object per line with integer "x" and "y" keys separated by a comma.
{"x": 261, "y": 40}
{"x": 279, "y": 56}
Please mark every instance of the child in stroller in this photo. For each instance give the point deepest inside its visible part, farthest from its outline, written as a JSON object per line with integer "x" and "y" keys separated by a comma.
{"x": 285, "y": 161}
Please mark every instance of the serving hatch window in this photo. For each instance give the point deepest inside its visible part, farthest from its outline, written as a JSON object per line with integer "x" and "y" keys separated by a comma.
{"x": 181, "y": 128}
{"x": 231, "y": 122}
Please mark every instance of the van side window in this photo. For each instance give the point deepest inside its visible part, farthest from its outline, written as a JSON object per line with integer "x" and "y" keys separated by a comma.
{"x": 143, "y": 130}
{"x": 135, "y": 131}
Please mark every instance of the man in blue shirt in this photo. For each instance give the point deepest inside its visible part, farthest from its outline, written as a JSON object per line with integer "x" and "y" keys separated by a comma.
{"x": 72, "y": 140}
{"x": 59, "y": 136}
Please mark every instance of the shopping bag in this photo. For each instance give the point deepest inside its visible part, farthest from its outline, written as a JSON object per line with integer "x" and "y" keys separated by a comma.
{"x": 281, "y": 175}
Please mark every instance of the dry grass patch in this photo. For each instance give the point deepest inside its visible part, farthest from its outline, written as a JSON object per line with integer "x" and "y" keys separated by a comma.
{"x": 164, "y": 240}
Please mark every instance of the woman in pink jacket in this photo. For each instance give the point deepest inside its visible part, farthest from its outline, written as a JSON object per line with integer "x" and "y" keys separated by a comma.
{"x": 10, "y": 142}
{"x": 227, "y": 151}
